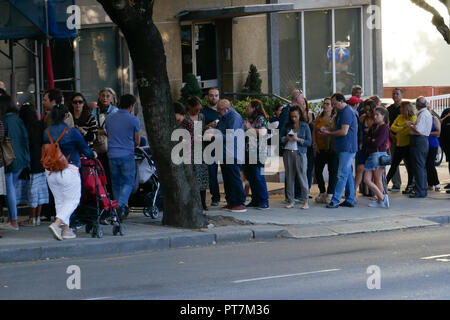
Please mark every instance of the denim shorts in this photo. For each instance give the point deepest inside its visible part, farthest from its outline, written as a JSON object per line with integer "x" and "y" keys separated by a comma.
{"x": 373, "y": 161}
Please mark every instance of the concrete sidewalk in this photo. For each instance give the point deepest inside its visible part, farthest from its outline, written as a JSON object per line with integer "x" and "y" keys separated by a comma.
{"x": 142, "y": 233}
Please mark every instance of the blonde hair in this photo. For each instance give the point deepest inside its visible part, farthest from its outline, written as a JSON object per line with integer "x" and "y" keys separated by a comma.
{"x": 409, "y": 108}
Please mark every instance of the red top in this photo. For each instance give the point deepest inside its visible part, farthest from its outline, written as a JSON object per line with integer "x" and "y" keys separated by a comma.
{"x": 377, "y": 138}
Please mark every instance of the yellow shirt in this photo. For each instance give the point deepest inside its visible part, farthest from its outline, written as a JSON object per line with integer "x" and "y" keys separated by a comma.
{"x": 401, "y": 130}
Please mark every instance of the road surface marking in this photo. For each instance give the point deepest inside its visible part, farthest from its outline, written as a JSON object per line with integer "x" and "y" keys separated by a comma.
{"x": 286, "y": 275}
{"x": 436, "y": 257}
{"x": 99, "y": 298}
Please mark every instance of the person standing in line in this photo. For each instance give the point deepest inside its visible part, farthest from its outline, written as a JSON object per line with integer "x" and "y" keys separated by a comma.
{"x": 296, "y": 138}
{"x": 33, "y": 192}
{"x": 65, "y": 184}
{"x": 433, "y": 141}
{"x": 394, "y": 112}
{"x": 444, "y": 139}
{"x": 365, "y": 121}
{"x": 402, "y": 149}
{"x": 123, "y": 136}
{"x": 14, "y": 129}
{"x": 420, "y": 131}
{"x": 233, "y": 158}
{"x": 257, "y": 121}
{"x": 324, "y": 153}
{"x": 194, "y": 106}
{"x": 211, "y": 118}
{"x": 346, "y": 139}
{"x": 53, "y": 97}
{"x": 107, "y": 102}
{"x": 376, "y": 142}
{"x": 83, "y": 119}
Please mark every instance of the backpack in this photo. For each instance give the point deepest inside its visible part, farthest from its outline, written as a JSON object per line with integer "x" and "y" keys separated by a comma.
{"x": 52, "y": 158}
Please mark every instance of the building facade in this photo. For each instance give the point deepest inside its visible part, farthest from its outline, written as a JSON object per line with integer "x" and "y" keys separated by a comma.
{"x": 317, "y": 46}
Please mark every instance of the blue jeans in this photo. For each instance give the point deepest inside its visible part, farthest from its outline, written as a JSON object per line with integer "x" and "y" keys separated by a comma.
{"x": 234, "y": 192}
{"x": 345, "y": 179}
{"x": 123, "y": 171}
{"x": 11, "y": 180}
{"x": 213, "y": 183}
{"x": 257, "y": 182}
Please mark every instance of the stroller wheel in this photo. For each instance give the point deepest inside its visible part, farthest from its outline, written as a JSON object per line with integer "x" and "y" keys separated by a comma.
{"x": 99, "y": 233}
{"x": 148, "y": 211}
{"x": 155, "y": 212}
{"x": 116, "y": 230}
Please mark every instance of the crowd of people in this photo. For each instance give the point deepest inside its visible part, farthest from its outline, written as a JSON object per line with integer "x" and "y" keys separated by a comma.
{"x": 356, "y": 139}
{"x": 105, "y": 129}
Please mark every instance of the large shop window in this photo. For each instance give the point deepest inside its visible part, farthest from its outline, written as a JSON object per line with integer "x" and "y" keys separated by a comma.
{"x": 320, "y": 76}
{"x": 348, "y": 49}
{"x": 290, "y": 55}
{"x": 98, "y": 61}
{"x": 319, "y": 68}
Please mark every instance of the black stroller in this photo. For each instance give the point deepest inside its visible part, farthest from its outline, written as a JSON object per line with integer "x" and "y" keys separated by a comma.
{"x": 146, "y": 193}
{"x": 95, "y": 204}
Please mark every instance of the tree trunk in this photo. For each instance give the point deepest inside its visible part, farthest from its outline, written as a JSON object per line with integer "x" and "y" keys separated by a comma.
{"x": 182, "y": 205}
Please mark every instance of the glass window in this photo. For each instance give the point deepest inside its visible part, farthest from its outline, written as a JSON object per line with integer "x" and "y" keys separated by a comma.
{"x": 206, "y": 51}
{"x": 98, "y": 61}
{"x": 319, "y": 67}
{"x": 348, "y": 49}
{"x": 290, "y": 52}
{"x": 186, "y": 50}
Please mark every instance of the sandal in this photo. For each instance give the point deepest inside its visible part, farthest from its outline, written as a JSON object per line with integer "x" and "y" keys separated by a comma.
{"x": 28, "y": 223}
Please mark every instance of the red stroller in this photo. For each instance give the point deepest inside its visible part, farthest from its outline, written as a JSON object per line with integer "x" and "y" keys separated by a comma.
{"x": 95, "y": 204}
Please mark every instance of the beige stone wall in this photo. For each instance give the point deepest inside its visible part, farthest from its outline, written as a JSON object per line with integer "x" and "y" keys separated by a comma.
{"x": 249, "y": 38}
{"x": 249, "y": 47}
{"x": 244, "y": 51}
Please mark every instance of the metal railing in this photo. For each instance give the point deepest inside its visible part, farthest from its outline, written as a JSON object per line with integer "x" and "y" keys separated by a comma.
{"x": 439, "y": 103}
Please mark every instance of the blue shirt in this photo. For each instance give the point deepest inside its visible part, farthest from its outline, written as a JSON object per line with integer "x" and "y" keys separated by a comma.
{"x": 72, "y": 143}
{"x": 96, "y": 113}
{"x": 15, "y": 129}
{"x": 121, "y": 127}
{"x": 210, "y": 114}
{"x": 232, "y": 120}
{"x": 349, "y": 142}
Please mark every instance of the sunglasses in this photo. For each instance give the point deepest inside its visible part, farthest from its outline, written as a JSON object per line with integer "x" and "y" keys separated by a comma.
{"x": 77, "y": 101}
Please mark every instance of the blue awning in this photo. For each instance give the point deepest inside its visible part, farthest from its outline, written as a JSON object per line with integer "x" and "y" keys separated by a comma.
{"x": 26, "y": 19}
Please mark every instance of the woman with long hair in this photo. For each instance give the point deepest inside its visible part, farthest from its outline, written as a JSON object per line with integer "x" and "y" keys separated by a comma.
{"x": 376, "y": 141}
{"x": 324, "y": 153}
{"x": 366, "y": 120}
{"x": 194, "y": 106}
{"x": 83, "y": 118}
{"x": 257, "y": 124}
{"x": 65, "y": 184}
{"x": 34, "y": 191}
{"x": 296, "y": 138}
{"x": 402, "y": 150}
{"x": 15, "y": 129}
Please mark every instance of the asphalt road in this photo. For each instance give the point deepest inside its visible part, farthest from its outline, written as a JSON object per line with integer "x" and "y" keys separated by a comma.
{"x": 412, "y": 264}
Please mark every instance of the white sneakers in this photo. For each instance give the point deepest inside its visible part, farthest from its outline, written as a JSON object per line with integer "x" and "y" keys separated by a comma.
{"x": 65, "y": 234}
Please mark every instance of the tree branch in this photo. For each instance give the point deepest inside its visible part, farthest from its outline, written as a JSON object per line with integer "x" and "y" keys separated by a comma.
{"x": 437, "y": 19}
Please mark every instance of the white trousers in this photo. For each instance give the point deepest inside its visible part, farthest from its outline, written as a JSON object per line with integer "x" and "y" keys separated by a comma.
{"x": 66, "y": 188}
